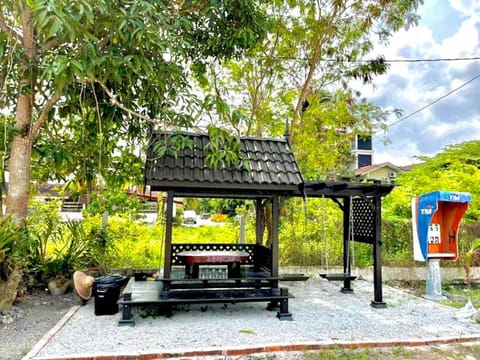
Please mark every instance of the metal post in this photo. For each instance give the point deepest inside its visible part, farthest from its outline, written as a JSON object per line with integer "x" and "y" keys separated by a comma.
{"x": 434, "y": 281}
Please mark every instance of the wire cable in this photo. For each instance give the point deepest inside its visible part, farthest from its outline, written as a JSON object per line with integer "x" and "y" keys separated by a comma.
{"x": 453, "y": 59}
{"x": 434, "y": 101}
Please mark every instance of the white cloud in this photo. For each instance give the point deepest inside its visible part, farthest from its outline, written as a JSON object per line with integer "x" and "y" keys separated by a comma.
{"x": 446, "y": 30}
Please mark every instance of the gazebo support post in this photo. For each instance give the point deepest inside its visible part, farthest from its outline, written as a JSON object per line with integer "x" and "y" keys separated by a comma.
{"x": 275, "y": 224}
{"x": 377, "y": 256}
{"x": 347, "y": 283}
{"x": 167, "y": 265}
{"x": 274, "y": 305}
{"x": 258, "y": 221}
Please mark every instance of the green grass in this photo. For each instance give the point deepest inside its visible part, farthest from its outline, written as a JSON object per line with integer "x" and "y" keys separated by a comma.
{"x": 456, "y": 351}
{"x": 458, "y": 295}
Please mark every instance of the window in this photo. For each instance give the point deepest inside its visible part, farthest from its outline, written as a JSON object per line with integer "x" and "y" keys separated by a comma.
{"x": 364, "y": 142}
{"x": 364, "y": 160}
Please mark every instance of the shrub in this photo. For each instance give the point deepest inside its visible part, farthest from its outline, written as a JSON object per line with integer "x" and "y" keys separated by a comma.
{"x": 11, "y": 236}
{"x": 397, "y": 245}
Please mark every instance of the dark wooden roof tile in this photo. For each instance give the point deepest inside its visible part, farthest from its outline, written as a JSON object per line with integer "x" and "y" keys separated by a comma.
{"x": 273, "y": 167}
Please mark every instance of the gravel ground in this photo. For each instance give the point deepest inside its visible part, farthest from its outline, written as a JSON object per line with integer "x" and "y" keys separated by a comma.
{"x": 322, "y": 315}
{"x": 25, "y": 324}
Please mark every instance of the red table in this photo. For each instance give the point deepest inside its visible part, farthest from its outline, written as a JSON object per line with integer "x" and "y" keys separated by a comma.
{"x": 231, "y": 258}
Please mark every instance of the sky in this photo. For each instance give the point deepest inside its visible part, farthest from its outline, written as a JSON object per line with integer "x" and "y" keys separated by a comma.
{"x": 447, "y": 29}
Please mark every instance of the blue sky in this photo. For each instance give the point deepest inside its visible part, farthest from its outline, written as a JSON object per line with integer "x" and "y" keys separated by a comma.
{"x": 447, "y": 29}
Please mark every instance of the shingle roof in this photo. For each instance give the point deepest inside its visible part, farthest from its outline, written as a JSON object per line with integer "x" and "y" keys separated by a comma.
{"x": 273, "y": 168}
{"x": 370, "y": 168}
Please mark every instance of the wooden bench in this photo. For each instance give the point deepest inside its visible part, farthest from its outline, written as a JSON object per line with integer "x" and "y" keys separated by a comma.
{"x": 244, "y": 282}
{"x": 195, "y": 291}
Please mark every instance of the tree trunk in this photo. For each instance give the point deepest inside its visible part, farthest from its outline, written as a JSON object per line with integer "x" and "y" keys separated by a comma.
{"x": 19, "y": 181}
{"x": 19, "y": 164}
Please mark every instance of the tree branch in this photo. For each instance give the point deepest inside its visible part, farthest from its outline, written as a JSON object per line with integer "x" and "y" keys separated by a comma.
{"x": 10, "y": 31}
{"x": 42, "y": 118}
{"x": 117, "y": 103}
{"x": 52, "y": 43}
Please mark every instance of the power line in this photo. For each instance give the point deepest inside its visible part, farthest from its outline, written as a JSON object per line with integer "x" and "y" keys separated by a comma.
{"x": 432, "y": 60}
{"x": 472, "y": 58}
{"x": 435, "y": 101}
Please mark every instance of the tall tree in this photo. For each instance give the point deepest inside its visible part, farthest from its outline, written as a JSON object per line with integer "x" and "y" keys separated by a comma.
{"x": 111, "y": 67}
{"x": 137, "y": 53}
{"x": 305, "y": 72}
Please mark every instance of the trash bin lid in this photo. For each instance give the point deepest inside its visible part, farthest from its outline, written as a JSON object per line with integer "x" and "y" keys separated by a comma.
{"x": 109, "y": 279}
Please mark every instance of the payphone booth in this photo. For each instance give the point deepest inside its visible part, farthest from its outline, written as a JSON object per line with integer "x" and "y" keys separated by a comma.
{"x": 436, "y": 217}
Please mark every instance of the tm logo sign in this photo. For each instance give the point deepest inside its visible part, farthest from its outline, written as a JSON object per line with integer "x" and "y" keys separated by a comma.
{"x": 427, "y": 211}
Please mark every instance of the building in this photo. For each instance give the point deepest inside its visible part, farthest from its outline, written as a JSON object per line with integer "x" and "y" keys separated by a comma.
{"x": 386, "y": 173}
{"x": 362, "y": 151}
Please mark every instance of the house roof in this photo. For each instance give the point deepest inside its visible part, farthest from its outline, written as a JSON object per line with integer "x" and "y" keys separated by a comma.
{"x": 364, "y": 170}
{"x": 274, "y": 169}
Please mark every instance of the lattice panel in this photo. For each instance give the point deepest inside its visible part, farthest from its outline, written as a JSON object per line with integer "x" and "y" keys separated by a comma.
{"x": 363, "y": 221}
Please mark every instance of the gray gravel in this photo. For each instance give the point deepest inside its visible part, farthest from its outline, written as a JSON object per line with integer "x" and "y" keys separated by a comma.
{"x": 322, "y": 315}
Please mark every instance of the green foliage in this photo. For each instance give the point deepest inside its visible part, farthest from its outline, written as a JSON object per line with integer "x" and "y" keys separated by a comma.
{"x": 114, "y": 202}
{"x": 80, "y": 248}
{"x": 397, "y": 247}
{"x": 53, "y": 247}
{"x": 11, "y": 235}
{"x": 287, "y": 76}
{"x": 309, "y": 233}
{"x": 138, "y": 245}
{"x": 43, "y": 228}
{"x": 227, "y": 233}
{"x": 107, "y": 69}
{"x": 132, "y": 244}
{"x": 468, "y": 234}
{"x": 224, "y": 150}
{"x": 456, "y": 168}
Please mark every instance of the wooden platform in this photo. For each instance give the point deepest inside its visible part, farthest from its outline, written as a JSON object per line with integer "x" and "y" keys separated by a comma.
{"x": 171, "y": 292}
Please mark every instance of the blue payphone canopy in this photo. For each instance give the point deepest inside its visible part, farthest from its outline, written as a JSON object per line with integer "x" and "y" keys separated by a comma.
{"x": 423, "y": 210}
{"x": 447, "y": 196}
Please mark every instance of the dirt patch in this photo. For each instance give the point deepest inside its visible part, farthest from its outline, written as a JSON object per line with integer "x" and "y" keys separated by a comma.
{"x": 29, "y": 320}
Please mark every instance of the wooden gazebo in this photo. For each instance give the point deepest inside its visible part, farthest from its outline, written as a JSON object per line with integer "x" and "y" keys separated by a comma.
{"x": 273, "y": 173}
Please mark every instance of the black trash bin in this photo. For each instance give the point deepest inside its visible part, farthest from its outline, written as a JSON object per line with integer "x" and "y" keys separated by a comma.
{"x": 106, "y": 290}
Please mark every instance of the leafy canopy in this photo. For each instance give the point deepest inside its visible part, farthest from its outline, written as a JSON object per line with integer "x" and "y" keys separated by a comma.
{"x": 456, "y": 168}
{"x": 87, "y": 79}
{"x": 304, "y": 74}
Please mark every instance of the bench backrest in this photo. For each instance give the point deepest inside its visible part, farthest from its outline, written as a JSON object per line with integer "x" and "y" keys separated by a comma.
{"x": 259, "y": 256}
